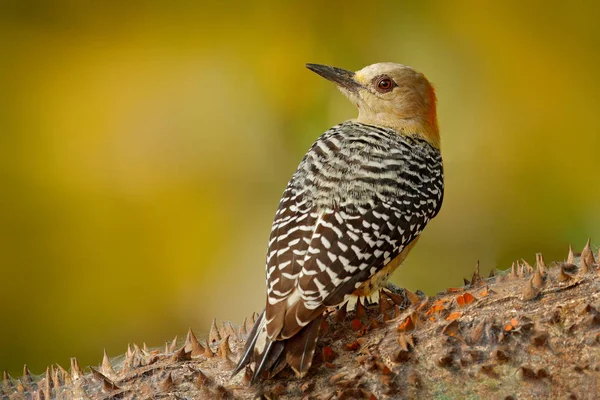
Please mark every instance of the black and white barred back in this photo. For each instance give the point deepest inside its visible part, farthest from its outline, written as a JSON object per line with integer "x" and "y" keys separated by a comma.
{"x": 360, "y": 195}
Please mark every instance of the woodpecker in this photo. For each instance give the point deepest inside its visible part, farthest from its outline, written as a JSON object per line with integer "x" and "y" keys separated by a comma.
{"x": 352, "y": 211}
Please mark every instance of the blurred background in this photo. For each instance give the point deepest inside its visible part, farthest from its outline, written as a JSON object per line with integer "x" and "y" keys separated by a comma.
{"x": 144, "y": 146}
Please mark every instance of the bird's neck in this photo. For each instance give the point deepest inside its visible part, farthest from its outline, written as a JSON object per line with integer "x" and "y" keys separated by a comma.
{"x": 423, "y": 127}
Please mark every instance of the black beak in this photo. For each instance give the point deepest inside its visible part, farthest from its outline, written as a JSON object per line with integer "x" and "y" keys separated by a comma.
{"x": 339, "y": 76}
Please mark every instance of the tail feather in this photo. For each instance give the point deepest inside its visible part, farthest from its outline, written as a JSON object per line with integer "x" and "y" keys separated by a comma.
{"x": 273, "y": 355}
{"x": 268, "y": 358}
{"x": 300, "y": 348}
{"x": 250, "y": 343}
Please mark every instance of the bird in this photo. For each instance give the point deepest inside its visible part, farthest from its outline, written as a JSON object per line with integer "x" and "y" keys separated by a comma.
{"x": 350, "y": 214}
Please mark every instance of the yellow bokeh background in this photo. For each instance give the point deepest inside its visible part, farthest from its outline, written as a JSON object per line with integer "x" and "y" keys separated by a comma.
{"x": 144, "y": 146}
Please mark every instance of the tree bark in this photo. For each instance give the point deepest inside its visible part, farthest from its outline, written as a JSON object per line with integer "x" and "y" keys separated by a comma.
{"x": 526, "y": 333}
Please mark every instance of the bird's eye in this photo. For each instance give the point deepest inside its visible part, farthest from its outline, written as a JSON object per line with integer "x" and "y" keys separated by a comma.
{"x": 384, "y": 84}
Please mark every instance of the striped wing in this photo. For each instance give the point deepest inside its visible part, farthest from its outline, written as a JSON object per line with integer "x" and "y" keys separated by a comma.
{"x": 351, "y": 207}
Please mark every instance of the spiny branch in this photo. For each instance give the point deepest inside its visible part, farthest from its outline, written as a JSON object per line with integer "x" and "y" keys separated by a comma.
{"x": 528, "y": 332}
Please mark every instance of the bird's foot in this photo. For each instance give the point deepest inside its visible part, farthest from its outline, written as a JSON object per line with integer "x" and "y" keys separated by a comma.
{"x": 394, "y": 289}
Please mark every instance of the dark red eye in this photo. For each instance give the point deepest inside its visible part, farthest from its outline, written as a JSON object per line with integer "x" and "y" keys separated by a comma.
{"x": 384, "y": 84}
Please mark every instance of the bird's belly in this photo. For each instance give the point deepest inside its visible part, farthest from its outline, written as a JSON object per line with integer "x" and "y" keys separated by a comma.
{"x": 380, "y": 278}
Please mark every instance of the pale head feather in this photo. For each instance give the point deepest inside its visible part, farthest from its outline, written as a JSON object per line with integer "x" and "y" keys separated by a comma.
{"x": 409, "y": 108}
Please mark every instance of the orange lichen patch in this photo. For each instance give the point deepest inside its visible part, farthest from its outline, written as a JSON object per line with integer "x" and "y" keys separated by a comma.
{"x": 484, "y": 292}
{"x": 511, "y": 325}
{"x": 413, "y": 321}
{"x": 435, "y": 308}
{"x": 328, "y": 354}
{"x": 454, "y": 290}
{"x": 406, "y": 325}
{"x": 356, "y": 324}
{"x": 453, "y": 316}
{"x": 464, "y": 299}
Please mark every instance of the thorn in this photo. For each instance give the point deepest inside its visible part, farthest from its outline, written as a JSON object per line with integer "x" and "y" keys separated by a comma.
{"x": 584, "y": 267}
{"x": 136, "y": 349}
{"x": 530, "y": 291}
{"x": 76, "y": 372}
{"x": 223, "y": 330}
{"x": 384, "y": 306}
{"x": 540, "y": 339}
{"x": 452, "y": 329}
{"x": 513, "y": 272}
{"x": 167, "y": 385}
{"x": 587, "y": 254}
{"x": 47, "y": 384}
{"x": 6, "y": 382}
{"x": 97, "y": 374}
{"x": 492, "y": 273}
{"x": 26, "y": 379}
{"x": 214, "y": 335}
{"x": 563, "y": 276}
{"x": 182, "y": 355}
{"x": 224, "y": 351}
{"x": 478, "y": 332}
{"x": 208, "y": 352}
{"x": 324, "y": 326}
{"x": 528, "y": 269}
{"x": 64, "y": 374}
{"x": 253, "y": 318}
{"x": 203, "y": 380}
{"x": 360, "y": 309}
{"x": 399, "y": 299}
{"x": 173, "y": 345}
{"x": 571, "y": 256}
{"x": 107, "y": 368}
{"x": 107, "y": 385}
{"x": 243, "y": 328}
{"x": 192, "y": 344}
{"x": 145, "y": 348}
{"x": 540, "y": 263}
{"x": 248, "y": 374}
{"x": 397, "y": 311}
{"x": 374, "y": 323}
{"x": 128, "y": 361}
{"x": 520, "y": 270}
{"x": 20, "y": 387}
{"x": 232, "y": 331}
{"x": 537, "y": 281}
{"x": 500, "y": 355}
{"x": 412, "y": 297}
{"x": 476, "y": 280}
{"x": 221, "y": 393}
{"x": 55, "y": 377}
{"x": 340, "y": 315}
{"x": 166, "y": 348}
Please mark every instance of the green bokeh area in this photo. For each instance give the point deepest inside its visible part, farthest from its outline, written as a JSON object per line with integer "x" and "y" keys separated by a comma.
{"x": 144, "y": 146}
